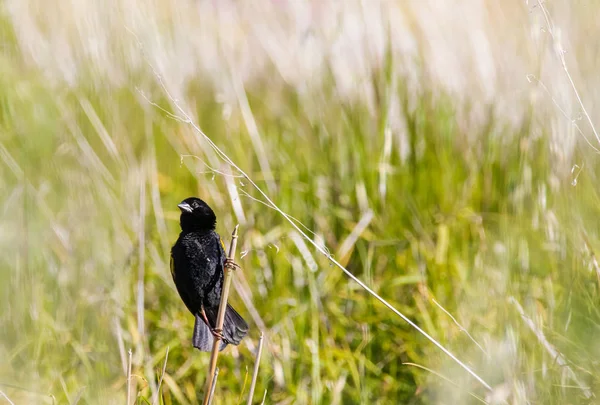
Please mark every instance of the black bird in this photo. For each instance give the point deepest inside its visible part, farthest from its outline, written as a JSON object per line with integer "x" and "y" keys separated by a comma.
{"x": 197, "y": 262}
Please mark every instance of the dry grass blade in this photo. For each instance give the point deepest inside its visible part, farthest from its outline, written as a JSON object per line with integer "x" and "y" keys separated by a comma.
{"x": 560, "y": 52}
{"x": 129, "y": 378}
{"x": 348, "y": 243}
{"x": 221, "y": 317}
{"x": 555, "y": 354}
{"x": 213, "y": 385}
{"x": 250, "y": 122}
{"x": 445, "y": 379}
{"x": 264, "y": 398}
{"x": 532, "y": 78}
{"x": 121, "y": 344}
{"x": 7, "y": 398}
{"x": 462, "y": 329}
{"x": 17, "y": 387}
{"x": 142, "y": 259}
{"x": 256, "y": 366}
{"x": 162, "y": 375}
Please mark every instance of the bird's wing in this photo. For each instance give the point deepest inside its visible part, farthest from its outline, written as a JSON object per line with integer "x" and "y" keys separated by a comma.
{"x": 214, "y": 283}
{"x": 199, "y": 270}
{"x": 206, "y": 262}
{"x": 222, "y": 245}
{"x": 172, "y": 266}
{"x": 198, "y": 267}
{"x": 179, "y": 281}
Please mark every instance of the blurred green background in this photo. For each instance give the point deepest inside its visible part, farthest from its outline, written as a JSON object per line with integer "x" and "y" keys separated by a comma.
{"x": 438, "y": 151}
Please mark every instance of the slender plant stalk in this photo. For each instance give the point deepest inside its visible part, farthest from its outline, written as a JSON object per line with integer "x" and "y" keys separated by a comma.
{"x": 213, "y": 385}
{"x": 264, "y": 397}
{"x": 221, "y": 316}
{"x": 558, "y": 357}
{"x": 162, "y": 375}
{"x": 560, "y": 52}
{"x": 129, "y": 378}
{"x": 256, "y": 366}
{"x": 7, "y": 398}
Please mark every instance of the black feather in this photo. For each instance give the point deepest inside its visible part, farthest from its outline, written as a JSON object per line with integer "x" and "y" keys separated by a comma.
{"x": 203, "y": 339}
{"x": 197, "y": 261}
{"x": 234, "y": 326}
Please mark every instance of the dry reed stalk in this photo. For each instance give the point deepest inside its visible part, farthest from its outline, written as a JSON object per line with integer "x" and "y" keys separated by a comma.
{"x": 129, "y": 377}
{"x": 221, "y": 316}
{"x": 256, "y": 366}
{"x": 213, "y": 385}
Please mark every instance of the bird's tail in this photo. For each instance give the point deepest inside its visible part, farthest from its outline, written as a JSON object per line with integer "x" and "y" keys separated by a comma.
{"x": 234, "y": 326}
{"x": 203, "y": 339}
{"x": 234, "y": 329}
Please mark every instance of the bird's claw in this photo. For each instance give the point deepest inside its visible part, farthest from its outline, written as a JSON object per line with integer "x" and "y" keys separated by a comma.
{"x": 218, "y": 333}
{"x": 230, "y": 264}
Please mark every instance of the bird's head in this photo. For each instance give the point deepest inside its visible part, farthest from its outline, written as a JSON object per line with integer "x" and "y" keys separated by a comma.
{"x": 196, "y": 215}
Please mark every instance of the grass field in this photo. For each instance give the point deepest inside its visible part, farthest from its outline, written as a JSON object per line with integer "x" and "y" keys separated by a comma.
{"x": 467, "y": 200}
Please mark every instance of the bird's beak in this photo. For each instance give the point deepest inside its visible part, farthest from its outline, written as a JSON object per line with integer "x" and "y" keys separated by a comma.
{"x": 185, "y": 207}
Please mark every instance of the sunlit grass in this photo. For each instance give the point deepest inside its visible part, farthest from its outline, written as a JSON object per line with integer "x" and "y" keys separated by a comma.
{"x": 468, "y": 215}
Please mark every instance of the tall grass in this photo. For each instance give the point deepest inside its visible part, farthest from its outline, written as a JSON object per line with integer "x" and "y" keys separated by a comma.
{"x": 425, "y": 188}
